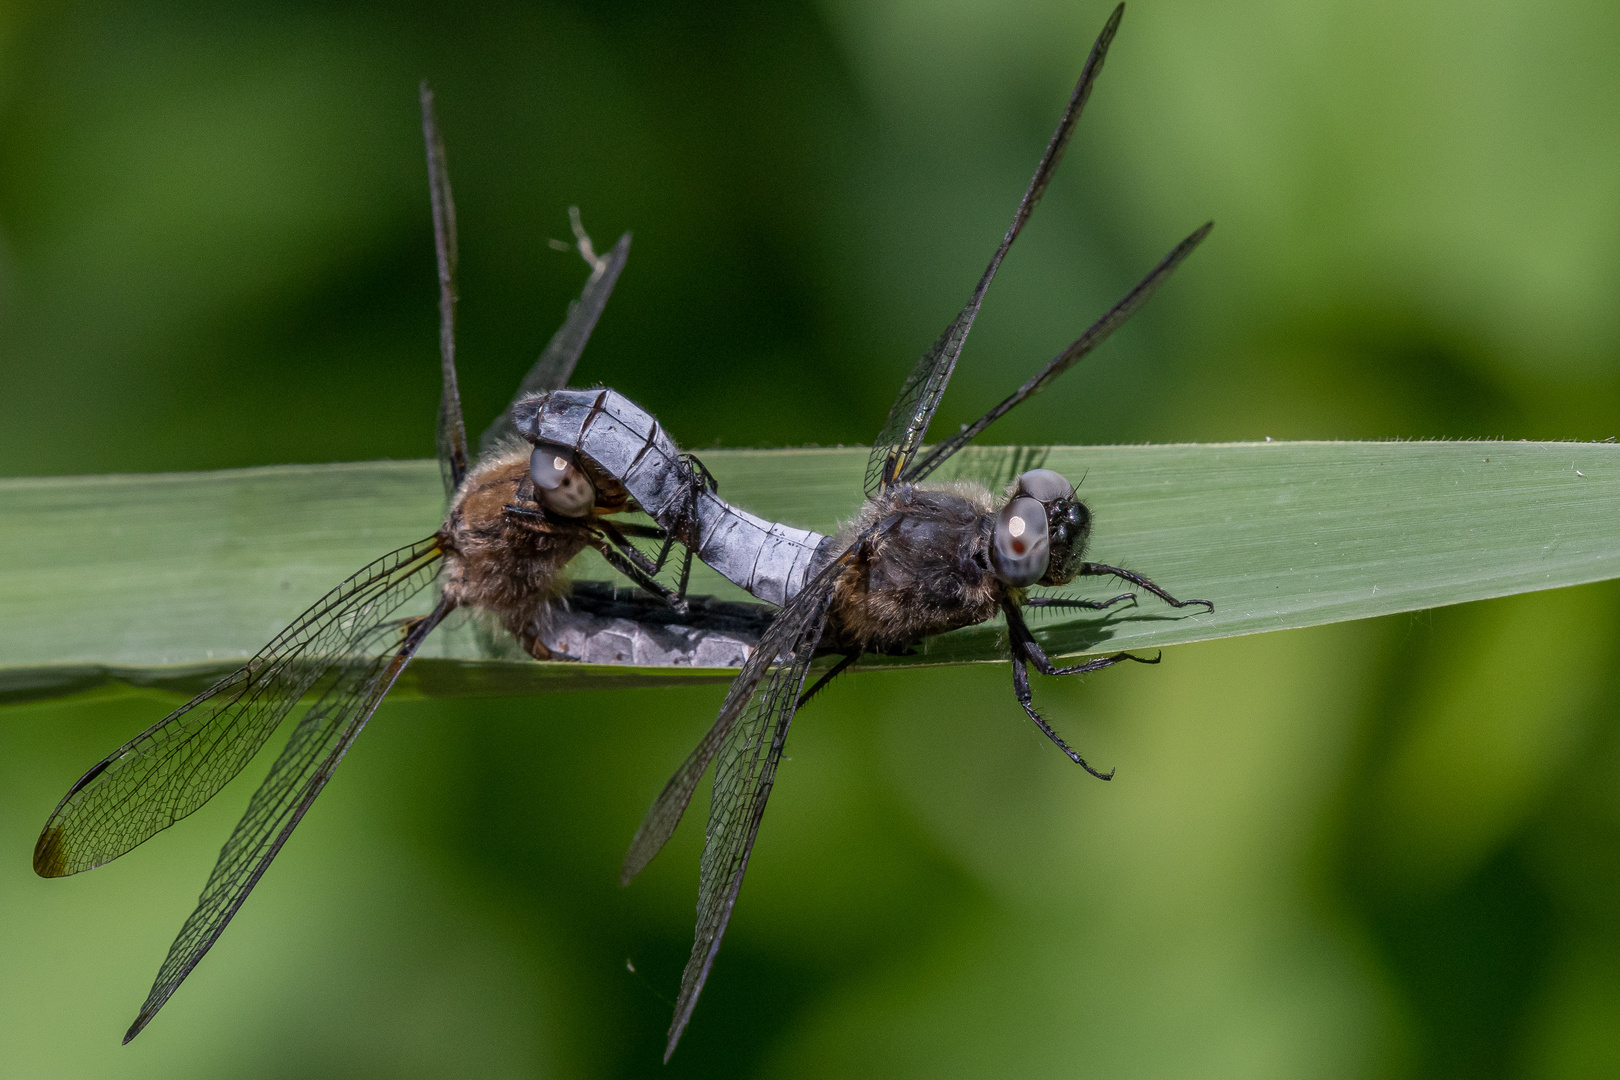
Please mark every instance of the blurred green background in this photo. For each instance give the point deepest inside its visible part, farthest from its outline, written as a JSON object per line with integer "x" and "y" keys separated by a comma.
{"x": 1380, "y": 849}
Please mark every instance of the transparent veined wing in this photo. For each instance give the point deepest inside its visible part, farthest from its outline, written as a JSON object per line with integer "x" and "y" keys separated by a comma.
{"x": 452, "y": 435}
{"x": 805, "y": 611}
{"x": 176, "y": 765}
{"x": 1094, "y": 336}
{"x": 317, "y": 745}
{"x": 556, "y": 364}
{"x": 746, "y": 744}
{"x": 907, "y": 424}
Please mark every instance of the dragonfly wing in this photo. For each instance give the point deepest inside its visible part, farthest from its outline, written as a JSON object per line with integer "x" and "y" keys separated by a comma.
{"x": 556, "y": 365}
{"x": 803, "y": 615}
{"x": 452, "y": 430}
{"x": 746, "y": 743}
{"x": 1094, "y": 336}
{"x": 744, "y": 772}
{"x": 903, "y": 432}
{"x": 175, "y": 766}
{"x": 317, "y": 745}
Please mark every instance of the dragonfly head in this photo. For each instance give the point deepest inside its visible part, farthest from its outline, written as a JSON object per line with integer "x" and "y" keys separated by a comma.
{"x": 1067, "y": 523}
{"x": 560, "y": 483}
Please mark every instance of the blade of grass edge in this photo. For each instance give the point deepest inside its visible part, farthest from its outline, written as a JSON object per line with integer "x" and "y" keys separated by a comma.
{"x": 172, "y": 579}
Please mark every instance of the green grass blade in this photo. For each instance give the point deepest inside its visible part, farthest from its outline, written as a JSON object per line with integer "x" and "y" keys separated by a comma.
{"x": 173, "y": 579}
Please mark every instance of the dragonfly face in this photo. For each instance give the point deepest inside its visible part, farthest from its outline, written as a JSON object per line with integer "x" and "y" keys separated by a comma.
{"x": 559, "y": 484}
{"x": 1068, "y": 523}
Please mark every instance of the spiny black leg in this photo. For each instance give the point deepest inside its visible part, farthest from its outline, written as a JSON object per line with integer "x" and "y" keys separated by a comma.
{"x": 1024, "y": 640}
{"x": 686, "y": 573}
{"x": 634, "y": 554}
{"x": 1026, "y": 699}
{"x": 635, "y": 574}
{"x": 686, "y": 563}
{"x": 1067, "y": 602}
{"x": 646, "y": 532}
{"x": 655, "y": 566}
{"x": 1102, "y": 570}
{"x": 1044, "y": 666}
{"x": 701, "y": 480}
{"x": 836, "y": 669}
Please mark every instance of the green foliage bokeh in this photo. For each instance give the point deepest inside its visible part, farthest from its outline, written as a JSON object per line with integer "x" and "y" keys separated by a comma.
{"x": 1375, "y": 849}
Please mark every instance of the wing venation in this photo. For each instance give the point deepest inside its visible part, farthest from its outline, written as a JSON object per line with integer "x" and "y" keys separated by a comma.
{"x": 556, "y": 364}
{"x": 317, "y": 745}
{"x": 179, "y": 763}
{"x": 452, "y": 432}
{"x": 907, "y": 424}
{"x": 1094, "y": 336}
{"x": 746, "y": 744}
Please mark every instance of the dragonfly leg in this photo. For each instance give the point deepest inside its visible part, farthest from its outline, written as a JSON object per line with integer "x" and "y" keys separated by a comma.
{"x": 1103, "y": 570}
{"x": 1069, "y": 602}
{"x": 701, "y": 473}
{"x": 1026, "y": 651}
{"x": 1024, "y": 644}
{"x": 617, "y": 537}
{"x": 647, "y": 532}
{"x": 835, "y": 670}
{"x": 630, "y": 569}
{"x": 700, "y": 480}
{"x": 1027, "y": 700}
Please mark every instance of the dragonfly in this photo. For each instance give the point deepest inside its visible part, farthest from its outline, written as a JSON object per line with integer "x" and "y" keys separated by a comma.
{"x": 914, "y": 562}
{"x": 515, "y": 519}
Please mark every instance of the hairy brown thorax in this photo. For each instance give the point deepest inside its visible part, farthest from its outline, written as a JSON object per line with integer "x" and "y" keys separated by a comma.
{"x": 507, "y": 564}
{"x": 924, "y": 569}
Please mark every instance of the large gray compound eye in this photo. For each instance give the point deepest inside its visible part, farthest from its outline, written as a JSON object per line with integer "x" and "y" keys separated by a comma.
{"x": 1020, "y": 549}
{"x": 559, "y": 483}
{"x": 1045, "y": 485}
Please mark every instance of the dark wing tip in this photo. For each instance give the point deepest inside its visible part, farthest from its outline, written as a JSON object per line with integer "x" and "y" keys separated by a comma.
{"x": 139, "y": 1025}
{"x": 144, "y": 1017}
{"x": 50, "y": 854}
{"x": 687, "y": 1002}
{"x": 677, "y": 1027}
{"x": 642, "y": 850}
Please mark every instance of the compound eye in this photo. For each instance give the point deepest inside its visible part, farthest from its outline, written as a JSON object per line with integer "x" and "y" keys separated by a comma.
{"x": 559, "y": 483}
{"x": 1045, "y": 485}
{"x": 1021, "y": 549}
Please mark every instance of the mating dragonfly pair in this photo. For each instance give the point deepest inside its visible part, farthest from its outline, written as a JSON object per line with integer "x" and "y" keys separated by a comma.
{"x": 555, "y": 475}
